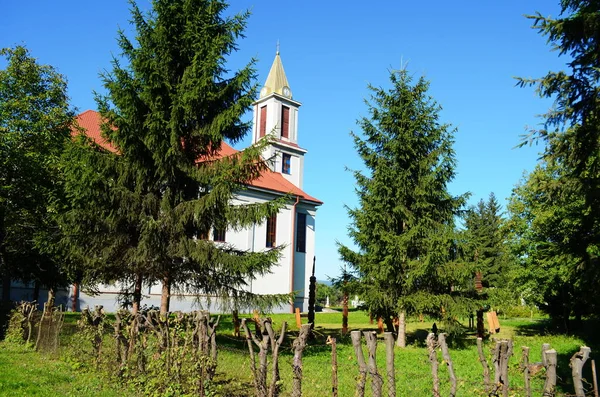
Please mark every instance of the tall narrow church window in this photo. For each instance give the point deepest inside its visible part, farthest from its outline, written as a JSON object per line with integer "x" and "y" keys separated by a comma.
{"x": 219, "y": 235}
{"x": 271, "y": 230}
{"x": 263, "y": 121}
{"x": 301, "y": 233}
{"x": 286, "y": 163}
{"x": 285, "y": 122}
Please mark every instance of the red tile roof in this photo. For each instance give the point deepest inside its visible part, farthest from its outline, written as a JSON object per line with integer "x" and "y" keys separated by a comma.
{"x": 90, "y": 122}
{"x": 269, "y": 180}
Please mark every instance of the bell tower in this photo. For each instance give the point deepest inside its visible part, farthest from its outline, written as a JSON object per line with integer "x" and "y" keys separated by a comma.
{"x": 276, "y": 114}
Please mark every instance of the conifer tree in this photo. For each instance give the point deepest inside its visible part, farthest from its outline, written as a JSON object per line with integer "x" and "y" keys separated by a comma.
{"x": 408, "y": 258}
{"x": 571, "y": 161}
{"x": 143, "y": 211}
{"x": 35, "y": 120}
{"x": 487, "y": 241}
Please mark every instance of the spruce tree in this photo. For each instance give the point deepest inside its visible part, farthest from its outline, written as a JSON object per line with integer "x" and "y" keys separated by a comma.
{"x": 484, "y": 224}
{"x": 35, "y": 120}
{"x": 142, "y": 211}
{"x": 408, "y": 258}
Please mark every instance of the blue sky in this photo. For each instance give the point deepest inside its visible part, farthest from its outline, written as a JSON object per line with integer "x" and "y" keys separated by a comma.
{"x": 469, "y": 50}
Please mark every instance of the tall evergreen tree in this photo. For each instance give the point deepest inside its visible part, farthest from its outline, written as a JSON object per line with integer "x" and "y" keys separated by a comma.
{"x": 35, "y": 120}
{"x": 487, "y": 241}
{"x": 408, "y": 259}
{"x": 571, "y": 132}
{"x": 170, "y": 104}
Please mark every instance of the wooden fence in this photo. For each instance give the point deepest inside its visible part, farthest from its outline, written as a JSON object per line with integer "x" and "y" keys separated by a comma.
{"x": 179, "y": 353}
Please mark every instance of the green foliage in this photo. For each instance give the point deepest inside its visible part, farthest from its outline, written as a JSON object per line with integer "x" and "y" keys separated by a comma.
{"x": 35, "y": 121}
{"x": 170, "y": 103}
{"x": 409, "y": 256}
{"x": 324, "y": 291}
{"x": 561, "y": 199}
{"x": 487, "y": 242}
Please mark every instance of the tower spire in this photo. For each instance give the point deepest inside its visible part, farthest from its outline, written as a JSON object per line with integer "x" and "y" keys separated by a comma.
{"x": 276, "y": 80}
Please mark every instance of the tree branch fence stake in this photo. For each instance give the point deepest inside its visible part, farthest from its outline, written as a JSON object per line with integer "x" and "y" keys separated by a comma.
{"x": 448, "y": 361}
{"x": 362, "y": 366}
{"x": 550, "y": 384}
{"x": 431, "y": 348}
{"x": 376, "y": 379}
{"x": 299, "y": 345}
{"x": 525, "y": 350}
{"x": 334, "y": 376}
{"x": 576, "y": 363}
{"x": 484, "y": 364}
{"x": 389, "y": 363}
{"x": 594, "y": 378}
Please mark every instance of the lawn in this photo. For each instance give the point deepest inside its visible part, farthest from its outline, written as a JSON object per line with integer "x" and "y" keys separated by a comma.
{"x": 25, "y": 373}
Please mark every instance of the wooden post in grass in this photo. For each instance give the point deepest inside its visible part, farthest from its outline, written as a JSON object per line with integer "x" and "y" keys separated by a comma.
{"x": 507, "y": 352}
{"x": 545, "y": 347}
{"x": 577, "y": 362}
{"x": 594, "y": 378}
{"x": 298, "y": 347}
{"x": 376, "y": 379}
{"x": 525, "y": 350}
{"x": 334, "y": 379}
{"x": 448, "y": 361}
{"x": 275, "y": 386}
{"x": 298, "y": 318}
{"x": 484, "y": 364}
{"x": 389, "y": 363}
{"x": 431, "y": 348}
{"x": 550, "y": 384}
{"x": 362, "y": 366}
{"x": 249, "y": 337}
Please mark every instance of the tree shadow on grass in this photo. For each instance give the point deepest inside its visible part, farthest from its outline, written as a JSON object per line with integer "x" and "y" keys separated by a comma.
{"x": 586, "y": 330}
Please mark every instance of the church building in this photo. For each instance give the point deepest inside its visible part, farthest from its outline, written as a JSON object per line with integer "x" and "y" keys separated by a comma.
{"x": 274, "y": 112}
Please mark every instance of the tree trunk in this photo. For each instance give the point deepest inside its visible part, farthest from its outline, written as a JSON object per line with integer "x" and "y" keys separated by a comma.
{"x": 51, "y": 298}
{"x": 36, "y": 291}
{"x": 345, "y": 314}
{"x": 165, "y": 296}
{"x": 137, "y": 294}
{"x": 401, "y": 341}
{"x": 75, "y": 298}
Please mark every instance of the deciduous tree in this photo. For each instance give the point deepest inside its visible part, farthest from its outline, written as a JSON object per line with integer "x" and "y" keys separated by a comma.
{"x": 35, "y": 120}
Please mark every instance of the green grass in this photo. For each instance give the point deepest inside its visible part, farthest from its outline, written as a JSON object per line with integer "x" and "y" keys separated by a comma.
{"x": 23, "y": 372}
{"x": 26, "y": 373}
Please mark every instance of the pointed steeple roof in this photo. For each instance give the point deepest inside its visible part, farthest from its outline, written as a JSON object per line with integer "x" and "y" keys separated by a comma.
{"x": 276, "y": 80}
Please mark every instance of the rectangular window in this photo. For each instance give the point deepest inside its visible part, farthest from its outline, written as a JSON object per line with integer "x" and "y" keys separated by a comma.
{"x": 263, "y": 121}
{"x": 285, "y": 122}
{"x": 301, "y": 233}
{"x": 286, "y": 163}
{"x": 219, "y": 235}
{"x": 271, "y": 230}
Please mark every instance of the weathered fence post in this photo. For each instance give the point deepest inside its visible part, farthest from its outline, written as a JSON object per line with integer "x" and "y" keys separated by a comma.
{"x": 299, "y": 345}
{"x": 508, "y": 350}
{"x": 334, "y": 379}
{"x": 362, "y": 367}
{"x": 496, "y": 358}
{"x": 577, "y": 362}
{"x": 594, "y": 378}
{"x": 275, "y": 345}
{"x": 448, "y": 360}
{"x": 525, "y": 350}
{"x": 545, "y": 347}
{"x": 376, "y": 379}
{"x": 389, "y": 363}
{"x": 484, "y": 364}
{"x": 431, "y": 347}
{"x": 249, "y": 339}
{"x": 550, "y": 384}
